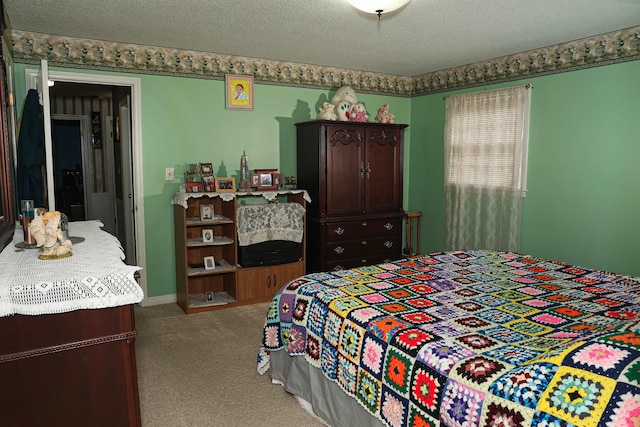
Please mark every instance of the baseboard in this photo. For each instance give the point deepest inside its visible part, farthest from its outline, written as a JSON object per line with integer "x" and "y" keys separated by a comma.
{"x": 161, "y": 299}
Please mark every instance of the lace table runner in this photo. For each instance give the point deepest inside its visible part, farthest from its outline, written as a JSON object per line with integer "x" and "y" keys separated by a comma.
{"x": 181, "y": 197}
{"x": 94, "y": 277}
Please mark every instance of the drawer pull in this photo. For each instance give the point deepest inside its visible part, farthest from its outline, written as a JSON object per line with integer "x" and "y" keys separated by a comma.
{"x": 275, "y": 280}
{"x": 338, "y": 268}
{"x": 364, "y": 224}
{"x": 388, "y": 243}
{"x": 363, "y": 260}
{"x": 339, "y": 250}
{"x": 364, "y": 242}
{"x": 387, "y": 260}
{"x": 268, "y": 281}
{"x": 339, "y": 231}
{"x": 388, "y": 226}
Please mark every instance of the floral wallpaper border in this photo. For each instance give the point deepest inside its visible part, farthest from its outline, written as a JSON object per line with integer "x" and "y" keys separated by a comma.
{"x": 30, "y": 47}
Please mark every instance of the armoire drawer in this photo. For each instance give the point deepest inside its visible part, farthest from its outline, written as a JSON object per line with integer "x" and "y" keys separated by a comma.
{"x": 349, "y": 230}
{"x": 346, "y": 263}
{"x": 363, "y": 247}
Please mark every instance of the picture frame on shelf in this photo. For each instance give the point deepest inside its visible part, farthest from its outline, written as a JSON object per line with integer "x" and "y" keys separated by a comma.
{"x": 266, "y": 179}
{"x": 209, "y": 296}
{"x": 207, "y": 236}
{"x": 206, "y": 213}
{"x": 290, "y": 183}
{"x": 209, "y": 263}
{"x": 193, "y": 187}
{"x": 239, "y": 92}
{"x": 209, "y": 183}
{"x": 225, "y": 185}
{"x": 277, "y": 180}
{"x": 192, "y": 174}
{"x": 206, "y": 168}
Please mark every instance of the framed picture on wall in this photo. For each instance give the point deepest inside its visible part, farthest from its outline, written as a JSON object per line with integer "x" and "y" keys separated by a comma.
{"x": 239, "y": 92}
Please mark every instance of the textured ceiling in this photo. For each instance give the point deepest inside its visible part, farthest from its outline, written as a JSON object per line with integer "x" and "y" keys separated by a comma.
{"x": 424, "y": 36}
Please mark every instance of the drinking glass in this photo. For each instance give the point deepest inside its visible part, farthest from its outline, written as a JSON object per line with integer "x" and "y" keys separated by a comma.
{"x": 27, "y": 211}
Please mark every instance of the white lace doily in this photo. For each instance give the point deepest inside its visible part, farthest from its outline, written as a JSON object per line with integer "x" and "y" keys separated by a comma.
{"x": 181, "y": 197}
{"x": 261, "y": 222}
{"x": 94, "y": 277}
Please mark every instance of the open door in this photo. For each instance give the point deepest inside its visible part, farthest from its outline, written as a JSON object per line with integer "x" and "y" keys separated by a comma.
{"x": 43, "y": 94}
{"x": 124, "y": 175}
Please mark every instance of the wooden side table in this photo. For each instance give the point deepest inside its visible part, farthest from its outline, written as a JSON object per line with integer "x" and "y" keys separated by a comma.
{"x": 410, "y": 219}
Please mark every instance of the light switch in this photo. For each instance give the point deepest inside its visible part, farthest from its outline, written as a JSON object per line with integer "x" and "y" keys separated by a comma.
{"x": 170, "y": 175}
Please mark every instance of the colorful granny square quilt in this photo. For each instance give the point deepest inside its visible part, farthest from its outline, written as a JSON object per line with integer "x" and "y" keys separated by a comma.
{"x": 472, "y": 338}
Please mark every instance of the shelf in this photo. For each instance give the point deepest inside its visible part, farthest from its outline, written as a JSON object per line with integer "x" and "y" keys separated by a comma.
{"x": 194, "y": 282}
{"x": 217, "y": 220}
{"x": 223, "y": 267}
{"x": 200, "y": 300}
{"x": 217, "y": 241}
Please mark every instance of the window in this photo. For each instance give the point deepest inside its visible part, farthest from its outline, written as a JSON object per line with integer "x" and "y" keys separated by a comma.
{"x": 486, "y": 142}
{"x": 486, "y": 139}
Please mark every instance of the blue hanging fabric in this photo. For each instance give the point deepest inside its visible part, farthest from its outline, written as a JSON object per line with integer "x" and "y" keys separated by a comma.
{"x": 30, "y": 151}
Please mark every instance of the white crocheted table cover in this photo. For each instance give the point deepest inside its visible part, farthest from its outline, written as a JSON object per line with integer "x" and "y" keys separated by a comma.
{"x": 181, "y": 197}
{"x": 94, "y": 277}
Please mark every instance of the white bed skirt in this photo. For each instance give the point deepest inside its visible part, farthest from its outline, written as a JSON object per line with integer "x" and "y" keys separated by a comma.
{"x": 323, "y": 397}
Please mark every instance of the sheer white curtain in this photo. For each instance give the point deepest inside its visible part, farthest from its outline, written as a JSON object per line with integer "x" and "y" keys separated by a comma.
{"x": 486, "y": 143}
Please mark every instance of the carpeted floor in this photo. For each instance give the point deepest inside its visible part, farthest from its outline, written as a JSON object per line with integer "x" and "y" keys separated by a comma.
{"x": 200, "y": 370}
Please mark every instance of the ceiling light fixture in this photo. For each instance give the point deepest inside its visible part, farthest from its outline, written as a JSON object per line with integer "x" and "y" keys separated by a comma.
{"x": 378, "y": 6}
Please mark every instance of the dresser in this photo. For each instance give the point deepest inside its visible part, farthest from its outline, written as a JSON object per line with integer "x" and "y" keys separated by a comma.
{"x": 67, "y": 352}
{"x": 353, "y": 173}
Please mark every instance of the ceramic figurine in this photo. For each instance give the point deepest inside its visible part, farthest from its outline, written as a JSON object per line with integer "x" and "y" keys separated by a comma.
{"x": 45, "y": 228}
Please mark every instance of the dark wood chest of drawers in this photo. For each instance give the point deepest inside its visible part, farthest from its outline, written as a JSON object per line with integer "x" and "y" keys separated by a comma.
{"x": 353, "y": 173}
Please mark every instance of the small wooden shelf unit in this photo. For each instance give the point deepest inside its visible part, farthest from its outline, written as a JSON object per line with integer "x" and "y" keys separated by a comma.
{"x": 229, "y": 283}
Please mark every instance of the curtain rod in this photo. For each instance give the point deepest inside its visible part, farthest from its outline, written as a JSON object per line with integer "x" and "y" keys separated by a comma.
{"x": 527, "y": 86}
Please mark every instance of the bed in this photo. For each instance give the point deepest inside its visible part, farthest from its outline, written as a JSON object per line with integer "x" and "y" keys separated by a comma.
{"x": 472, "y": 338}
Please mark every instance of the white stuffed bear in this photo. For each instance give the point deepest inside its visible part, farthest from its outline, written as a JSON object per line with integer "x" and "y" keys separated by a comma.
{"x": 359, "y": 113}
{"x": 345, "y": 93}
{"x": 327, "y": 112}
{"x": 343, "y": 109}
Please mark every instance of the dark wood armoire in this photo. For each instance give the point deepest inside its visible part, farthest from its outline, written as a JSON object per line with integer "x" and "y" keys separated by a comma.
{"x": 353, "y": 173}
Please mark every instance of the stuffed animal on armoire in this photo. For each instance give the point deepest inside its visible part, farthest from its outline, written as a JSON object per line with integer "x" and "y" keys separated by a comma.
{"x": 359, "y": 113}
{"x": 327, "y": 112}
{"x": 384, "y": 115}
{"x": 345, "y": 93}
{"x": 343, "y": 110}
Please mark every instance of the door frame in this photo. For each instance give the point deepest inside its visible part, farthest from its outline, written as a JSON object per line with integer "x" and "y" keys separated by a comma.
{"x": 134, "y": 83}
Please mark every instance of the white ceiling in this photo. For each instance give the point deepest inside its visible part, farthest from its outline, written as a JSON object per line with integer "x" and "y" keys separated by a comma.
{"x": 424, "y": 36}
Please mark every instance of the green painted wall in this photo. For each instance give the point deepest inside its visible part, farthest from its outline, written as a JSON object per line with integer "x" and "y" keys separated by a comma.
{"x": 185, "y": 121}
{"x": 583, "y": 199}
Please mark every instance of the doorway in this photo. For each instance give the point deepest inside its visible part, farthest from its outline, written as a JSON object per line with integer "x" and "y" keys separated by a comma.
{"x": 133, "y": 189}
{"x": 69, "y": 164}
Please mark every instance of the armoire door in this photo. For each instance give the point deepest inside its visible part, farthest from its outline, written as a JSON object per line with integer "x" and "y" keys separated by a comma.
{"x": 383, "y": 170}
{"x": 345, "y": 170}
